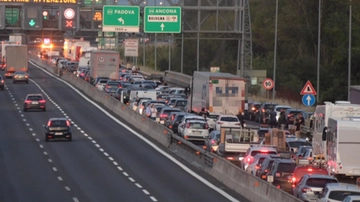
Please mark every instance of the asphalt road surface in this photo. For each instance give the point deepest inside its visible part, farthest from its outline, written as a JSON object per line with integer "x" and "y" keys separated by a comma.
{"x": 104, "y": 162}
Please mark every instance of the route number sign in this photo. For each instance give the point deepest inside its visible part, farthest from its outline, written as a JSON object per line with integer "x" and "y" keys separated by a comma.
{"x": 268, "y": 84}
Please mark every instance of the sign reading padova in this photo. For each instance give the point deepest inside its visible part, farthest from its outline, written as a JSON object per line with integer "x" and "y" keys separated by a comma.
{"x": 162, "y": 19}
{"x": 121, "y": 18}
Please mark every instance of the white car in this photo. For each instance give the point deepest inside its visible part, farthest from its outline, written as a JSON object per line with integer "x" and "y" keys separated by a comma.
{"x": 278, "y": 109}
{"x": 101, "y": 84}
{"x": 255, "y": 165}
{"x": 211, "y": 120}
{"x": 337, "y": 192}
{"x": 227, "y": 120}
{"x": 176, "y": 91}
{"x": 252, "y": 151}
{"x": 353, "y": 198}
{"x": 185, "y": 119}
{"x": 196, "y": 130}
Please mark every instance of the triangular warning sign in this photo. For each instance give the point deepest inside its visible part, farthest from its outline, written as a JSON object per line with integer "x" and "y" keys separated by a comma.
{"x": 308, "y": 89}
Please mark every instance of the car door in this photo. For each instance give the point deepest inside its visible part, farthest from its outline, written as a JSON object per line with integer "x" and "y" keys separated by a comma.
{"x": 181, "y": 126}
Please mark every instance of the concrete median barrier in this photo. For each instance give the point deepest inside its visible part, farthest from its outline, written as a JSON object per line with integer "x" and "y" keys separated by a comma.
{"x": 243, "y": 183}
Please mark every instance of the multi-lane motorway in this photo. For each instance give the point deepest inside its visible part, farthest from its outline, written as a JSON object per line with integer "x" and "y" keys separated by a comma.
{"x": 104, "y": 162}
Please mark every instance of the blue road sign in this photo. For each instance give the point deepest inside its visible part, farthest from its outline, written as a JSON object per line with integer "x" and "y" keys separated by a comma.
{"x": 308, "y": 100}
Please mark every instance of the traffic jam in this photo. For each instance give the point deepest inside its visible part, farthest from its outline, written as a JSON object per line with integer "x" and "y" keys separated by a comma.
{"x": 296, "y": 151}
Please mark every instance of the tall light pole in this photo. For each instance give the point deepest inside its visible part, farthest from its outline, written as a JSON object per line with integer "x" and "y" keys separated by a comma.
{"x": 318, "y": 55}
{"x": 349, "y": 57}
{"x": 275, "y": 47}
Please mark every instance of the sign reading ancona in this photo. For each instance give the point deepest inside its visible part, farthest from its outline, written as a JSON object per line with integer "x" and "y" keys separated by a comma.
{"x": 41, "y": 1}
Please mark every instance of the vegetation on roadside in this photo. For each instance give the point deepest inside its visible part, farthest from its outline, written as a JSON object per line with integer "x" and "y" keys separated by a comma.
{"x": 296, "y": 47}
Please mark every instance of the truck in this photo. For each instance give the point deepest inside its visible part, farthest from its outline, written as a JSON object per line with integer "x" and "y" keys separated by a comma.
{"x": 342, "y": 141}
{"x": 234, "y": 142}
{"x": 322, "y": 114}
{"x": 104, "y": 63}
{"x": 73, "y": 47}
{"x": 222, "y": 93}
{"x": 85, "y": 56}
{"x": 18, "y": 38}
{"x": 16, "y": 59}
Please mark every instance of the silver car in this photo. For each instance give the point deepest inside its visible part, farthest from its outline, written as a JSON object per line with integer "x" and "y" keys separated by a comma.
{"x": 310, "y": 186}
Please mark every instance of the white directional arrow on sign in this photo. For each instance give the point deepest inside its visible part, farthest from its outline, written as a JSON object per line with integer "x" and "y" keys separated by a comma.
{"x": 121, "y": 20}
{"x": 162, "y": 26}
{"x": 308, "y": 99}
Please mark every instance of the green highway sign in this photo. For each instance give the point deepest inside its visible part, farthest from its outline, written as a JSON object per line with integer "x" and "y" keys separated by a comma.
{"x": 162, "y": 19}
{"x": 32, "y": 22}
{"x": 12, "y": 15}
{"x": 121, "y": 18}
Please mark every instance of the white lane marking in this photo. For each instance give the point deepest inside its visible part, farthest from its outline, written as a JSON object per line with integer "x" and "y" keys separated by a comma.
{"x": 125, "y": 173}
{"x": 181, "y": 165}
{"x": 50, "y": 161}
{"x": 33, "y": 134}
{"x": 60, "y": 178}
{"x": 97, "y": 145}
{"x": 145, "y": 191}
{"x": 131, "y": 179}
{"x": 41, "y": 146}
{"x": 24, "y": 119}
{"x": 101, "y": 149}
{"x": 30, "y": 129}
{"x": 111, "y": 159}
{"x": 45, "y": 153}
{"x": 153, "y": 198}
{"x": 93, "y": 141}
{"x": 82, "y": 131}
{"x": 67, "y": 188}
{"x": 86, "y": 134}
{"x": 27, "y": 124}
{"x": 22, "y": 115}
{"x": 115, "y": 163}
{"x": 54, "y": 169}
{"x": 106, "y": 154}
{"x": 138, "y": 185}
{"x": 120, "y": 168}
{"x": 16, "y": 104}
{"x": 90, "y": 138}
{"x": 37, "y": 139}
{"x": 75, "y": 199}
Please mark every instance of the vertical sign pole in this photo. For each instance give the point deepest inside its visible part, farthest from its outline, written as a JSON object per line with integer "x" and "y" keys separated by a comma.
{"x": 318, "y": 55}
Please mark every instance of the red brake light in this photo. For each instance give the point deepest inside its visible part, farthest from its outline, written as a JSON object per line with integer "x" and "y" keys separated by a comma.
{"x": 27, "y": 101}
{"x": 68, "y": 123}
{"x": 263, "y": 151}
{"x": 257, "y": 167}
{"x": 42, "y": 101}
{"x": 163, "y": 115}
{"x": 49, "y": 123}
{"x": 310, "y": 169}
{"x": 220, "y": 123}
{"x": 263, "y": 110}
{"x": 277, "y": 174}
{"x": 305, "y": 189}
{"x": 206, "y": 126}
{"x": 188, "y": 125}
{"x": 293, "y": 179}
{"x": 213, "y": 142}
{"x": 2, "y": 81}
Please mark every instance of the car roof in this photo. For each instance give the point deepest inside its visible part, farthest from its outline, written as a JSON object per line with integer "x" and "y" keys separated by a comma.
{"x": 284, "y": 160}
{"x": 194, "y": 121}
{"x": 170, "y": 108}
{"x": 58, "y": 119}
{"x": 320, "y": 176}
{"x": 192, "y": 116}
{"x": 262, "y": 148}
{"x": 224, "y": 115}
{"x": 282, "y": 106}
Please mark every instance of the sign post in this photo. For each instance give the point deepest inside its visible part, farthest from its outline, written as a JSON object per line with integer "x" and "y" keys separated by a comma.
{"x": 121, "y": 18}
{"x": 308, "y": 93}
{"x": 162, "y": 19}
{"x": 268, "y": 84}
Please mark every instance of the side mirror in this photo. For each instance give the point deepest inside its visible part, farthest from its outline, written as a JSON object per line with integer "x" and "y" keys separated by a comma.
{"x": 324, "y": 133}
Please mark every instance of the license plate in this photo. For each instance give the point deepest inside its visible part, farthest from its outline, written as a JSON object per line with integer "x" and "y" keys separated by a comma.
{"x": 34, "y": 103}
{"x": 58, "y": 133}
{"x": 196, "y": 132}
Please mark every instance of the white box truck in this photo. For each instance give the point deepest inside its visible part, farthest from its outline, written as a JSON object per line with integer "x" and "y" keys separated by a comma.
{"x": 73, "y": 48}
{"x": 16, "y": 59}
{"x": 104, "y": 63}
{"x": 218, "y": 92}
{"x": 342, "y": 141}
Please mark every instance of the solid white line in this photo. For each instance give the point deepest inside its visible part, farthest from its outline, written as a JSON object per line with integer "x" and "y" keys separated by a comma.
{"x": 153, "y": 198}
{"x": 181, "y": 165}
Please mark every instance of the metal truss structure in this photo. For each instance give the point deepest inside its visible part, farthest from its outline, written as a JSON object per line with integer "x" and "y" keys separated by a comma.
{"x": 201, "y": 19}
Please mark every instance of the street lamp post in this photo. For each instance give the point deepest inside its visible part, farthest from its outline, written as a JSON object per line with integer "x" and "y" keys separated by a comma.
{"x": 275, "y": 47}
{"x": 349, "y": 57}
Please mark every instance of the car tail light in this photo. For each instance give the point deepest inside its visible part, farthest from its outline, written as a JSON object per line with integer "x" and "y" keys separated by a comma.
{"x": 188, "y": 125}
{"x": 163, "y": 115}
{"x": 27, "y": 101}
{"x": 2, "y": 81}
{"x": 305, "y": 189}
{"x": 263, "y": 176}
{"x": 277, "y": 174}
{"x": 278, "y": 186}
{"x": 263, "y": 110}
{"x": 42, "y": 101}
{"x": 206, "y": 126}
{"x": 257, "y": 167}
{"x": 293, "y": 179}
{"x": 212, "y": 142}
{"x": 263, "y": 151}
{"x": 253, "y": 108}
{"x": 26, "y": 76}
{"x": 238, "y": 124}
{"x": 49, "y": 123}
{"x": 230, "y": 158}
{"x": 310, "y": 169}
{"x": 186, "y": 137}
{"x": 68, "y": 123}
{"x": 220, "y": 122}
{"x": 266, "y": 170}
{"x": 170, "y": 126}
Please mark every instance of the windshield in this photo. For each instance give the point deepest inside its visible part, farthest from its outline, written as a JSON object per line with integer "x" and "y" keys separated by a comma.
{"x": 286, "y": 167}
{"x": 213, "y": 116}
{"x": 269, "y": 106}
{"x": 341, "y": 195}
{"x": 197, "y": 125}
{"x": 229, "y": 119}
{"x": 297, "y": 144}
{"x": 319, "y": 182}
{"x": 181, "y": 103}
{"x": 279, "y": 109}
{"x": 179, "y": 117}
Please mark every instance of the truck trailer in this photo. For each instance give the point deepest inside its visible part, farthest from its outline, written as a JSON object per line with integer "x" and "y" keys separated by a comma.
{"x": 342, "y": 142}
{"x": 218, "y": 92}
{"x": 73, "y": 48}
{"x": 104, "y": 63}
{"x": 16, "y": 59}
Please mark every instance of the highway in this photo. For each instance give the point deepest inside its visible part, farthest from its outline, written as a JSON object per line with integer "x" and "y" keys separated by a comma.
{"x": 104, "y": 162}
